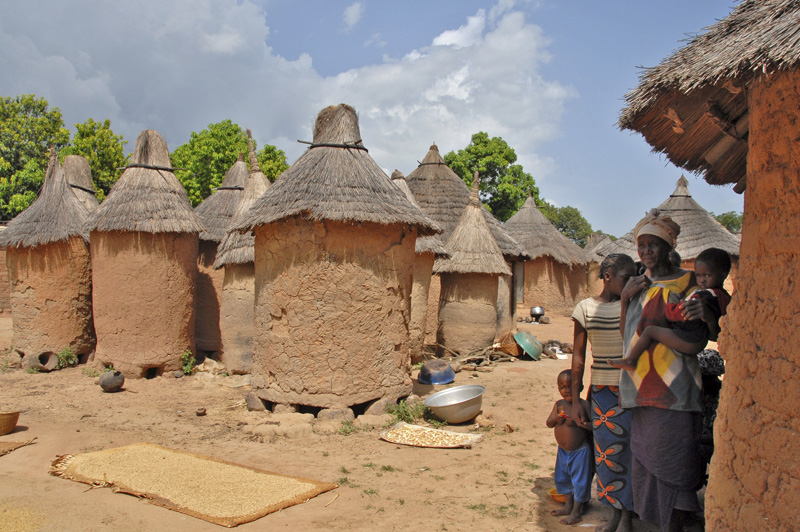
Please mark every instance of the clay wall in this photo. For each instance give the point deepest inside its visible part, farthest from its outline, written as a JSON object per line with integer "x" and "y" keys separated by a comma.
{"x": 505, "y": 314}
{"x": 207, "y": 298}
{"x": 51, "y": 298}
{"x": 144, "y": 287}
{"x": 467, "y": 312}
{"x": 423, "y": 266}
{"x": 236, "y": 317}
{"x": 332, "y": 310}
{"x": 755, "y": 472}
{"x": 432, "y": 320}
{"x": 5, "y": 284}
{"x": 556, "y": 287}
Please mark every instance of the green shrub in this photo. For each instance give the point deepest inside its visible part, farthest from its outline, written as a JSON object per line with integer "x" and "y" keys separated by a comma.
{"x": 66, "y": 358}
{"x": 402, "y": 411}
{"x": 188, "y": 363}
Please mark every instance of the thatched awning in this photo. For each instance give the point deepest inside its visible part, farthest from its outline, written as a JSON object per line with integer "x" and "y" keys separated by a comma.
{"x": 148, "y": 197}
{"x": 216, "y": 210}
{"x": 79, "y": 176}
{"x": 55, "y": 216}
{"x": 693, "y": 106}
{"x": 540, "y": 238}
{"x": 425, "y": 244}
{"x": 699, "y": 230}
{"x": 336, "y": 179}
{"x": 443, "y": 195}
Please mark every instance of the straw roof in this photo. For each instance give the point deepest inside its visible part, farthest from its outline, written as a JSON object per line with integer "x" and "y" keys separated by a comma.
{"x": 336, "y": 179}
{"x": 540, "y": 238}
{"x": 442, "y": 195}
{"x": 79, "y": 176}
{"x": 471, "y": 245}
{"x": 693, "y": 106}
{"x": 148, "y": 197}
{"x": 425, "y": 244}
{"x": 55, "y": 216}
{"x": 699, "y": 230}
{"x": 236, "y": 247}
{"x": 216, "y": 210}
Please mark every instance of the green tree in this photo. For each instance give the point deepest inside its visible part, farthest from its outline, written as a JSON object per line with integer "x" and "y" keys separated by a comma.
{"x": 104, "y": 151}
{"x": 504, "y": 185}
{"x": 27, "y": 129}
{"x": 209, "y": 154}
{"x": 732, "y": 220}
{"x": 569, "y": 221}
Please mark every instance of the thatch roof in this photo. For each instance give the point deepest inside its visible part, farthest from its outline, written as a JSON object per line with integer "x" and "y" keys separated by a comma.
{"x": 79, "y": 176}
{"x": 699, "y": 230}
{"x": 443, "y": 196}
{"x": 693, "y": 106}
{"x": 540, "y": 238}
{"x": 216, "y": 210}
{"x": 55, "y": 216}
{"x": 471, "y": 245}
{"x": 236, "y": 247}
{"x": 148, "y": 197}
{"x": 425, "y": 244}
{"x": 336, "y": 179}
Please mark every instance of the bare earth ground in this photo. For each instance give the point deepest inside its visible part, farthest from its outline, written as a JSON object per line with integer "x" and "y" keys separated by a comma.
{"x": 500, "y": 484}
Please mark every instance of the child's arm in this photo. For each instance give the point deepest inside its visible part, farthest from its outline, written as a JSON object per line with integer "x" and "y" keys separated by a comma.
{"x": 555, "y": 417}
{"x": 696, "y": 308}
{"x": 578, "y": 367}
{"x": 669, "y": 338}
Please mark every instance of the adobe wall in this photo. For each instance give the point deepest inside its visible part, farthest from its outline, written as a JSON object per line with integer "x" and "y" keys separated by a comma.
{"x": 144, "y": 287}
{"x": 5, "y": 284}
{"x": 505, "y": 315}
{"x": 236, "y": 317}
{"x": 207, "y": 298}
{"x": 51, "y": 298}
{"x": 467, "y": 312}
{"x": 755, "y": 471}
{"x": 555, "y": 287}
{"x": 432, "y": 320}
{"x": 332, "y": 310}
{"x": 423, "y": 266}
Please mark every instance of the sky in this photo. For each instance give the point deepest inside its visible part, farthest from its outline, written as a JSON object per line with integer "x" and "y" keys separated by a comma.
{"x": 548, "y": 76}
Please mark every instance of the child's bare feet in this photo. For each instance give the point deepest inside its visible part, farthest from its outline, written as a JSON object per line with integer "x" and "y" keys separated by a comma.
{"x": 575, "y": 515}
{"x": 569, "y": 502}
{"x": 622, "y": 363}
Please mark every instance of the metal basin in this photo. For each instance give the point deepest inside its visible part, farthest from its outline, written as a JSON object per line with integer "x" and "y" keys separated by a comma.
{"x": 457, "y": 404}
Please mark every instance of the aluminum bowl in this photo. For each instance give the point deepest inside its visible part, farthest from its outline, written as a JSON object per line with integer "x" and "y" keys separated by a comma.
{"x": 457, "y": 404}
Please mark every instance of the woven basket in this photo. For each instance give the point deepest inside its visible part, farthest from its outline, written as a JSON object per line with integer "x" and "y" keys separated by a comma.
{"x": 511, "y": 349}
{"x": 8, "y": 421}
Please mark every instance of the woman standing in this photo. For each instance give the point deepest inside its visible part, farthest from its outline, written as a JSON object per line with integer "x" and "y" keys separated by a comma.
{"x": 597, "y": 319}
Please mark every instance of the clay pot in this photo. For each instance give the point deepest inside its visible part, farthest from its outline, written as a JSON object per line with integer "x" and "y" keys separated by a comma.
{"x": 112, "y": 381}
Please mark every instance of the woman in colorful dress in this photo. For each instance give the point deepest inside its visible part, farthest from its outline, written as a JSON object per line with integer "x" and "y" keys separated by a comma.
{"x": 597, "y": 320}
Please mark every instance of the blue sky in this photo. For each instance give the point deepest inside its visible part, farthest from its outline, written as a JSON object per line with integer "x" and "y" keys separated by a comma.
{"x": 549, "y": 76}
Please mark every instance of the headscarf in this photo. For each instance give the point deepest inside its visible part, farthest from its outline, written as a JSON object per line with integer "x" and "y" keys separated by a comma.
{"x": 657, "y": 224}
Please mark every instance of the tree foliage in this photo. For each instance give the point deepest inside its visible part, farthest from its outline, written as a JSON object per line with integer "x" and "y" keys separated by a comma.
{"x": 104, "y": 151}
{"x": 210, "y": 153}
{"x": 504, "y": 185}
{"x": 569, "y": 221}
{"x": 732, "y": 220}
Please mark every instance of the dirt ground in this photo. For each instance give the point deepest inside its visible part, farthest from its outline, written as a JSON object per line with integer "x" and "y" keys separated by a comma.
{"x": 499, "y": 484}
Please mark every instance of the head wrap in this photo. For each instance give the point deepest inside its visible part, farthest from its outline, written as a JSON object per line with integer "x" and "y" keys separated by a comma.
{"x": 657, "y": 224}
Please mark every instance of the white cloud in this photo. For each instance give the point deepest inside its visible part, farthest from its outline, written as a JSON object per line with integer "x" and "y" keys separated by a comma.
{"x": 375, "y": 40}
{"x": 352, "y": 15}
{"x": 467, "y": 35}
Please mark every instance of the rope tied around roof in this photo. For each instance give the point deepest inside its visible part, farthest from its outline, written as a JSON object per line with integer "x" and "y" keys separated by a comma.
{"x": 151, "y": 167}
{"x": 334, "y": 145}
{"x": 89, "y": 190}
{"x": 232, "y": 187}
{"x": 434, "y": 164}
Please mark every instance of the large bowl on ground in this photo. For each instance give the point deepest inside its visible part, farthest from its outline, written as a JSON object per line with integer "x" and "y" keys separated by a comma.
{"x": 436, "y": 371}
{"x": 529, "y": 344}
{"x": 8, "y": 422}
{"x": 457, "y": 404}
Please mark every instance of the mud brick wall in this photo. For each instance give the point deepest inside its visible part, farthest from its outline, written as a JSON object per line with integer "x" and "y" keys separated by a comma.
{"x": 555, "y": 287}
{"x": 423, "y": 266}
{"x": 207, "y": 299}
{"x": 467, "y": 311}
{"x": 236, "y": 317}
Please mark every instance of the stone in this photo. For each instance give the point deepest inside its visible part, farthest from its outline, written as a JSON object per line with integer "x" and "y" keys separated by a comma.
{"x": 379, "y": 406}
{"x": 254, "y": 403}
{"x": 337, "y": 414}
{"x": 326, "y": 427}
{"x": 372, "y": 421}
{"x": 177, "y": 374}
{"x": 544, "y": 320}
{"x": 412, "y": 399}
{"x": 284, "y": 409}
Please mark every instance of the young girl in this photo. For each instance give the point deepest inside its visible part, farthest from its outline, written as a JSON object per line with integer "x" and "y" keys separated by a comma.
{"x": 597, "y": 320}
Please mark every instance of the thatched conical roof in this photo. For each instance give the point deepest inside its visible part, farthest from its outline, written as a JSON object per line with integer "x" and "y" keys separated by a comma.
{"x": 471, "y": 245}
{"x": 55, "y": 216}
{"x": 699, "y": 230}
{"x": 216, "y": 210}
{"x": 425, "y": 244}
{"x": 79, "y": 176}
{"x": 148, "y": 197}
{"x": 693, "y": 106}
{"x": 442, "y": 195}
{"x": 540, "y": 238}
{"x": 336, "y": 179}
{"x": 236, "y": 247}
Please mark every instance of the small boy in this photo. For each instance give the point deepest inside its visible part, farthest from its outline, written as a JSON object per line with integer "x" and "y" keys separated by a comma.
{"x": 711, "y": 268}
{"x": 574, "y": 469}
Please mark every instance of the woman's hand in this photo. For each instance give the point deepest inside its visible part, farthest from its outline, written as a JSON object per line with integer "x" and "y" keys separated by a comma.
{"x": 577, "y": 413}
{"x": 696, "y": 309}
{"x": 634, "y": 286}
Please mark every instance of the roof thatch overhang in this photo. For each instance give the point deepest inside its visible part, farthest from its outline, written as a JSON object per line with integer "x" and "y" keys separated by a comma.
{"x": 693, "y": 106}
{"x": 425, "y": 244}
{"x": 79, "y": 176}
{"x": 216, "y": 210}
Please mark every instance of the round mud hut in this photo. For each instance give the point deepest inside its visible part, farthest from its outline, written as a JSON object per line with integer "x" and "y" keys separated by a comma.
{"x": 559, "y": 272}
{"x": 47, "y": 256}
{"x": 468, "y": 301}
{"x": 237, "y": 258}
{"x": 334, "y": 253}
{"x": 215, "y": 212}
{"x": 144, "y": 266}
{"x": 426, "y": 250}
{"x": 79, "y": 176}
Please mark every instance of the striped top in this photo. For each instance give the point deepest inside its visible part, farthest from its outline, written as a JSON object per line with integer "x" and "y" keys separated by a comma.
{"x": 601, "y": 321}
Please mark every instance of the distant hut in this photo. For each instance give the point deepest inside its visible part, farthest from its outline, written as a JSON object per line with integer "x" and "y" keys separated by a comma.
{"x": 237, "y": 257}
{"x": 144, "y": 266}
{"x": 558, "y": 274}
{"x": 334, "y": 251}
{"x": 79, "y": 176}
{"x": 215, "y": 212}
{"x": 468, "y": 301}
{"x": 727, "y": 105}
{"x": 426, "y": 250}
{"x": 47, "y": 255}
